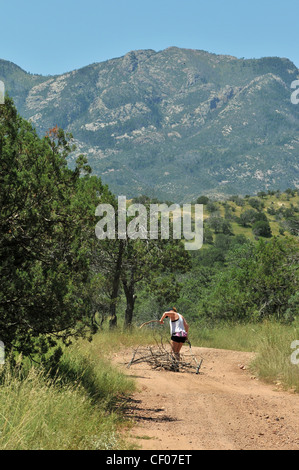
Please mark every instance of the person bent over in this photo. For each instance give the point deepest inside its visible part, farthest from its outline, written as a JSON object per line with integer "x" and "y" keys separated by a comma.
{"x": 178, "y": 330}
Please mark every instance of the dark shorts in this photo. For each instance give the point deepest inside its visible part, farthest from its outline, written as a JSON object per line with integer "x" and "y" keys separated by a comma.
{"x": 178, "y": 339}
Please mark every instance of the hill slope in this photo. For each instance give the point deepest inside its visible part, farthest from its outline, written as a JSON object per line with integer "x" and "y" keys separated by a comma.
{"x": 173, "y": 124}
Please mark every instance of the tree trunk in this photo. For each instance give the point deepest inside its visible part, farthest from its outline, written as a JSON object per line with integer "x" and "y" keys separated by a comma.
{"x": 131, "y": 297}
{"x": 115, "y": 287}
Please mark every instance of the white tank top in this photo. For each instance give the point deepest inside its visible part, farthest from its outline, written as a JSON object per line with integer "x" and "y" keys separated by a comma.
{"x": 177, "y": 326}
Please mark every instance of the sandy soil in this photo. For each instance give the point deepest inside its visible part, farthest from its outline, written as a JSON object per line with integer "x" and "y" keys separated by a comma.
{"x": 222, "y": 408}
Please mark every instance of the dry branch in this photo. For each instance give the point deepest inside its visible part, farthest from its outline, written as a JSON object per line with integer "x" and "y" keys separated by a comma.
{"x": 160, "y": 358}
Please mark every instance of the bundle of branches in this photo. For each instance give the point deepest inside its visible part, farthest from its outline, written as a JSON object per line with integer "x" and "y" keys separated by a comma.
{"x": 160, "y": 358}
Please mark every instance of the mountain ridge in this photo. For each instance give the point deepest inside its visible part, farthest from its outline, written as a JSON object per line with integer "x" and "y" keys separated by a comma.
{"x": 174, "y": 123}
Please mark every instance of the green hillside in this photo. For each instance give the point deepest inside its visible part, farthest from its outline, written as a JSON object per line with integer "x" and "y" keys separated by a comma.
{"x": 279, "y": 210}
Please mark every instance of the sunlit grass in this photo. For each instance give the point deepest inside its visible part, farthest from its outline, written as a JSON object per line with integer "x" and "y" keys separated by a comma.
{"x": 271, "y": 341}
{"x": 78, "y": 409}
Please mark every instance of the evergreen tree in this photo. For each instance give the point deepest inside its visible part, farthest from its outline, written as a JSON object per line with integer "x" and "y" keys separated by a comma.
{"x": 46, "y": 236}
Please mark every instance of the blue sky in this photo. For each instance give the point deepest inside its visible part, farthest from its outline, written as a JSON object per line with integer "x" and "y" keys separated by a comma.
{"x": 56, "y": 36}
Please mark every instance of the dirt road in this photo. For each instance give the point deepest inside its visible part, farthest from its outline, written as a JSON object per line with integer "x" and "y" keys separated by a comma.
{"x": 222, "y": 408}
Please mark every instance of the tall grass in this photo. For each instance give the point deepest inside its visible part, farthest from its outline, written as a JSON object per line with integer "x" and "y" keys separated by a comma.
{"x": 270, "y": 340}
{"x": 78, "y": 409}
{"x": 86, "y": 364}
{"x": 273, "y": 361}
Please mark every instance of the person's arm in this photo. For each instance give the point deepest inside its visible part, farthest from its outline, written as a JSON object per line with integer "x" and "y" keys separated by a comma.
{"x": 165, "y": 314}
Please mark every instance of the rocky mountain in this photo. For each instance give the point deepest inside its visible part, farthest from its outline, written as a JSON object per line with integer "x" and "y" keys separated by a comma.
{"x": 173, "y": 124}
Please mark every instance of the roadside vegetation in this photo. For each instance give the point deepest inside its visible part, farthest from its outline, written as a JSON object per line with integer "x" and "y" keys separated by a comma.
{"x": 81, "y": 405}
{"x": 76, "y": 406}
{"x": 270, "y": 341}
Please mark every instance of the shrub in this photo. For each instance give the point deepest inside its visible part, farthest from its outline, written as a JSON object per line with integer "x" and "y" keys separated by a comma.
{"x": 261, "y": 228}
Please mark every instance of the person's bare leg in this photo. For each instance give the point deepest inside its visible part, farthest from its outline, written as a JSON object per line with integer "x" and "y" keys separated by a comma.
{"x": 179, "y": 350}
{"x": 176, "y": 347}
{"x": 173, "y": 347}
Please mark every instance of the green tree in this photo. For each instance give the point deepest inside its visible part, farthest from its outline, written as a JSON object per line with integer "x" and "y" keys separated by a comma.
{"x": 262, "y": 228}
{"x": 259, "y": 282}
{"x": 207, "y": 236}
{"x": 219, "y": 225}
{"x": 46, "y": 243}
{"x": 154, "y": 264}
{"x": 130, "y": 265}
{"x": 256, "y": 203}
{"x": 250, "y": 216}
{"x": 202, "y": 200}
